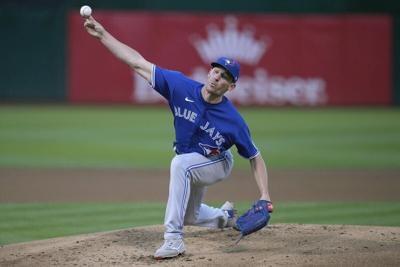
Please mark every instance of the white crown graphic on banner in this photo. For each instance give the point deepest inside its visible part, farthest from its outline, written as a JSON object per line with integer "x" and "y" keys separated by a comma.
{"x": 241, "y": 46}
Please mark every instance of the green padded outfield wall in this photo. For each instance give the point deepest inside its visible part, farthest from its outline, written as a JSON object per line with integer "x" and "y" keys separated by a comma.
{"x": 32, "y": 53}
{"x": 33, "y": 35}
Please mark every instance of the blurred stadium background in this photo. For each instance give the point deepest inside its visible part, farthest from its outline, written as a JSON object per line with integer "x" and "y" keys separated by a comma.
{"x": 320, "y": 90}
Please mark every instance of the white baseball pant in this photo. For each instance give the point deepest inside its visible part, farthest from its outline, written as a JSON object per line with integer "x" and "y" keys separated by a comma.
{"x": 190, "y": 174}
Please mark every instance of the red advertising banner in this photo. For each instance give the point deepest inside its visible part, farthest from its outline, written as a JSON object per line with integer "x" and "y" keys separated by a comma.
{"x": 302, "y": 60}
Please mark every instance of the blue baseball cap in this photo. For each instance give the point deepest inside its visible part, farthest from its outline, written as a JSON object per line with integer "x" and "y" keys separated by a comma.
{"x": 230, "y": 65}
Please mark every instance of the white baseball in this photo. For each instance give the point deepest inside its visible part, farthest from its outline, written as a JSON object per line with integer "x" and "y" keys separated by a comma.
{"x": 86, "y": 11}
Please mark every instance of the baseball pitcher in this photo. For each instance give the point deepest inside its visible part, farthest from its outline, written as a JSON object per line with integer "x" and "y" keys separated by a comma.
{"x": 206, "y": 126}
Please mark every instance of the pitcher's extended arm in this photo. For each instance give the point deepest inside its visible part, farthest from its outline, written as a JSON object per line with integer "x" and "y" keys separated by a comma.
{"x": 123, "y": 52}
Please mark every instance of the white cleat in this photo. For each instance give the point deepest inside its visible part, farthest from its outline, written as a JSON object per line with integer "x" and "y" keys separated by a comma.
{"x": 231, "y": 218}
{"x": 170, "y": 249}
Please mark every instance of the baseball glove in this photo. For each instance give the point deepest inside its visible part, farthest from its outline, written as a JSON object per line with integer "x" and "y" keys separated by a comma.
{"x": 255, "y": 218}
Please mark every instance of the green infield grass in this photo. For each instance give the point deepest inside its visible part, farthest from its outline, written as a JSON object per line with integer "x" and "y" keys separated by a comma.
{"x": 113, "y": 137}
{"x": 25, "y": 222}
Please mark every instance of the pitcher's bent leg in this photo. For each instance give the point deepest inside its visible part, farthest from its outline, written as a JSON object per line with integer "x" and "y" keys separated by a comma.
{"x": 202, "y": 214}
{"x": 209, "y": 216}
{"x": 190, "y": 173}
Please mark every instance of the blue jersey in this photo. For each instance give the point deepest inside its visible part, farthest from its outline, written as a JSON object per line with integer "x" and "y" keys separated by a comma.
{"x": 209, "y": 129}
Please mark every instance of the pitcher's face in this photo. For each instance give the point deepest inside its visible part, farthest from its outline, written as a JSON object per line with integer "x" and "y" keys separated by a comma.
{"x": 219, "y": 82}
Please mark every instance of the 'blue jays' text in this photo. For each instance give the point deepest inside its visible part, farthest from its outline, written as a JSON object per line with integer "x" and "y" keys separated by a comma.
{"x": 191, "y": 116}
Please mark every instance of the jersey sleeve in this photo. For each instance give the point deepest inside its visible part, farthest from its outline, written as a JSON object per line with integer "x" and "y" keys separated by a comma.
{"x": 166, "y": 81}
{"x": 245, "y": 146}
{"x": 159, "y": 81}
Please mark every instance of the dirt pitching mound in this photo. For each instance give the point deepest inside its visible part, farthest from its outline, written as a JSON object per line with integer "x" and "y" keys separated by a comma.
{"x": 277, "y": 245}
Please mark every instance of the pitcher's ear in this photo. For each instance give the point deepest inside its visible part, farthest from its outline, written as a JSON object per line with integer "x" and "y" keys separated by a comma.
{"x": 232, "y": 86}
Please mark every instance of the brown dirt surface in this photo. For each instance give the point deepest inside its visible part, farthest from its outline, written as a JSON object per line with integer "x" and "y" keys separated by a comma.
{"x": 277, "y": 245}
{"x": 119, "y": 185}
